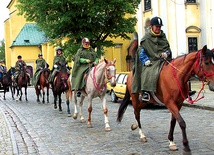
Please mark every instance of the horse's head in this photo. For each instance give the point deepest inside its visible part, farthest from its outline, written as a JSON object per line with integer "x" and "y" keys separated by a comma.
{"x": 205, "y": 66}
{"x": 62, "y": 77}
{"x": 110, "y": 72}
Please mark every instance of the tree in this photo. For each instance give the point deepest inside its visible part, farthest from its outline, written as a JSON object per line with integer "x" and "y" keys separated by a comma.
{"x": 2, "y": 50}
{"x": 75, "y": 19}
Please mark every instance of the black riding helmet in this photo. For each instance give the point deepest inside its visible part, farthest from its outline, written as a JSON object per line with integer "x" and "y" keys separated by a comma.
{"x": 157, "y": 21}
{"x": 19, "y": 57}
{"x": 40, "y": 54}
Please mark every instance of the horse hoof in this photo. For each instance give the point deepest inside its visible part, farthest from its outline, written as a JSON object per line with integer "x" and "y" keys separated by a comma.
{"x": 89, "y": 126}
{"x": 107, "y": 129}
{"x": 173, "y": 148}
{"x": 134, "y": 126}
{"x": 186, "y": 153}
{"x": 69, "y": 115}
{"x": 143, "y": 139}
{"x": 82, "y": 121}
{"x": 60, "y": 112}
{"x": 55, "y": 107}
{"x": 75, "y": 116}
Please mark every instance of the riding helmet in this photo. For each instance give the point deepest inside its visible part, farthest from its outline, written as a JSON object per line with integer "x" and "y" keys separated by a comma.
{"x": 40, "y": 54}
{"x": 58, "y": 48}
{"x": 157, "y": 21}
{"x": 85, "y": 40}
{"x": 19, "y": 57}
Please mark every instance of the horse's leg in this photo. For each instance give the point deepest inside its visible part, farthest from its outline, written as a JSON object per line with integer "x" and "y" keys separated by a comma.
{"x": 105, "y": 110}
{"x": 55, "y": 99}
{"x": 172, "y": 145}
{"x": 26, "y": 94}
{"x": 82, "y": 120}
{"x": 11, "y": 89}
{"x": 37, "y": 93}
{"x": 60, "y": 102}
{"x": 4, "y": 93}
{"x": 137, "y": 108}
{"x": 47, "y": 94}
{"x": 67, "y": 95}
{"x": 176, "y": 115}
{"x": 89, "y": 111}
{"x": 75, "y": 115}
{"x": 20, "y": 97}
{"x": 43, "y": 94}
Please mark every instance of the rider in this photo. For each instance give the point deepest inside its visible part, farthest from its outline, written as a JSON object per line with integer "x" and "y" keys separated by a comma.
{"x": 3, "y": 69}
{"x": 19, "y": 64}
{"x": 154, "y": 49}
{"x": 40, "y": 65}
{"x": 59, "y": 59}
{"x": 84, "y": 59}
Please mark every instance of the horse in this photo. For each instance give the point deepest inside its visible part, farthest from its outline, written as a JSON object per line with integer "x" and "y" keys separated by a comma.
{"x": 95, "y": 86}
{"x": 41, "y": 84}
{"x": 22, "y": 82}
{"x": 7, "y": 82}
{"x": 172, "y": 94}
{"x": 60, "y": 86}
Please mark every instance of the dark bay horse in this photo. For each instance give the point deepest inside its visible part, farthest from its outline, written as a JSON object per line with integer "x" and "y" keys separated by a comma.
{"x": 172, "y": 90}
{"x": 60, "y": 86}
{"x": 22, "y": 82}
{"x": 7, "y": 81}
{"x": 95, "y": 86}
{"x": 42, "y": 84}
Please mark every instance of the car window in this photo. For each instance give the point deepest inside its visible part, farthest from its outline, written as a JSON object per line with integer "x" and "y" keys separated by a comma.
{"x": 120, "y": 78}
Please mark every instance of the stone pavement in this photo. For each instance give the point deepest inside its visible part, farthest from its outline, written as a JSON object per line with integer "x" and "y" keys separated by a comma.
{"x": 8, "y": 146}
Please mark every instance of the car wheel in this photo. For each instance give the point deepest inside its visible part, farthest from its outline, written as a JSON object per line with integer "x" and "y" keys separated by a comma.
{"x": 113, "y": 97}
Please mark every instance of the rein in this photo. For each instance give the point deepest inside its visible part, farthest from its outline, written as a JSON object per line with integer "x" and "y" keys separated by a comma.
{"x": 200, "y": 68}
{"x": 96, "y": 85}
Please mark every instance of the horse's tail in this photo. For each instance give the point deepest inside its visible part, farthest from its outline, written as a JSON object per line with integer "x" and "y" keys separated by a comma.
{"x": 123, "y": 105}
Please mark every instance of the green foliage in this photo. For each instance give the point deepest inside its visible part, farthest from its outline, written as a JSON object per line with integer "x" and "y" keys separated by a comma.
{"x": 75, "y": 19}
{"x": 2, "y": 50}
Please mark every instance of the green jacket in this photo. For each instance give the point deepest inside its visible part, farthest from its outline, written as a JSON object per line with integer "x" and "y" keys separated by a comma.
{"x": 40, "y": 65}
{"x": 19, "y": 64}
{"x": 145, "y": 78}
{"x": 58, "y": 60}
{"x": 81, "y": 66}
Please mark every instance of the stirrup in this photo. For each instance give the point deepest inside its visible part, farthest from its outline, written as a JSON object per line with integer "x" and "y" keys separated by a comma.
{"x": 145, "y": 96}
{"x": 78, "y": 94}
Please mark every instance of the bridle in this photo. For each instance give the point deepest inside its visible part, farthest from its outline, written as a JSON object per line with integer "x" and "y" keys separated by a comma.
{"x": 200, "y": 69}
{"x": 107, "y": 75}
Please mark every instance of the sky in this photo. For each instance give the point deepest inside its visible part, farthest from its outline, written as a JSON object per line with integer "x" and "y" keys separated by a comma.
{"x": 4, "y": 14}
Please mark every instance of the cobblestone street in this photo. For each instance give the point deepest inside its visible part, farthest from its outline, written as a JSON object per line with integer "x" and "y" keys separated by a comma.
{"x": 37, "y": 128}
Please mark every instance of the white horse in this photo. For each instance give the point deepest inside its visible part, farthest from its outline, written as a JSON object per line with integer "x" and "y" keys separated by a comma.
{"x": 95, "y": 86}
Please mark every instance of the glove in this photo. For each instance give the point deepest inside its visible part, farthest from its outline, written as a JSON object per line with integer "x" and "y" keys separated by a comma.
{"x": 164, "y": 54}
{"x": 148, "y": 63}
{"x": 40, "y": 68}
{"x": 88, "y": 61}
{"x": 55, "y": 66}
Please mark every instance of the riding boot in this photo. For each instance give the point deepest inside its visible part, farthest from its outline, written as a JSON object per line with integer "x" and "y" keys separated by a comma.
{"x": 192, "y": 92}
{"x": 145, "y": 96}
{"x": 78, "y": 94}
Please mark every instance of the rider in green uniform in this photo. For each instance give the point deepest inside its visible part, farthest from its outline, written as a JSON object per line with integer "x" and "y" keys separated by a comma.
{"x": 85, "y": 58}
{"x": 40, "y": 65}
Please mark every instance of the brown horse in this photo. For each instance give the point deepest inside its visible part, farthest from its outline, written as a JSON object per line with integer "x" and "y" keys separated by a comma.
{"x": 7, "y": 81}
{"x": 60, "y": 85}
{"x": 95, "y": 86}
{"x": 22, "y": 82}
{"x": 42, "y": 84}
{"x": 172, "y": 90}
